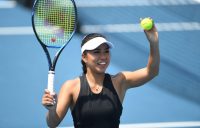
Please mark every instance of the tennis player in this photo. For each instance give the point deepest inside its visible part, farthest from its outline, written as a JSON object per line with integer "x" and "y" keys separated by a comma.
{"x": 95, "y": 98}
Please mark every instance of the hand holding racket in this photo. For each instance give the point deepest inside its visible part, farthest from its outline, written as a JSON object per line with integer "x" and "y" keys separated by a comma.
{"x": 54, "y": 24}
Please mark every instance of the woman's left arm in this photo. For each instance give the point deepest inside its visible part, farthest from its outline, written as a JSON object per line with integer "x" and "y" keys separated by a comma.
{"x": 139, "y": 77}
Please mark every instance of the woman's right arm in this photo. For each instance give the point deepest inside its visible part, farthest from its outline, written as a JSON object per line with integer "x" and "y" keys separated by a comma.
{"x": 57, "y": 106}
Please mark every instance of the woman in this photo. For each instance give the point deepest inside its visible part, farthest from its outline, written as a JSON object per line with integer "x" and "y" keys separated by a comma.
{"x": 95, "y": 98}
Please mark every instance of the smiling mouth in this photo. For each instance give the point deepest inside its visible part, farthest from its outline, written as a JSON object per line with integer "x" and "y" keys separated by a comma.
{"x": 101, "y": 63}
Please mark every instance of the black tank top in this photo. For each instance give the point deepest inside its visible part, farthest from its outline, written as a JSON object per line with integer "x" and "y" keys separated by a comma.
{"x": 101, "y": 110}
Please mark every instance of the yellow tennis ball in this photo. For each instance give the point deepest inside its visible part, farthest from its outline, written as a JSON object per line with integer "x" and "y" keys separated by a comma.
{"x": 146, "y": 23}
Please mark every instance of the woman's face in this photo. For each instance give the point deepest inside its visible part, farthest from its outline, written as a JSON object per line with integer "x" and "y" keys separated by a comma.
{"x": 97, "y": 60}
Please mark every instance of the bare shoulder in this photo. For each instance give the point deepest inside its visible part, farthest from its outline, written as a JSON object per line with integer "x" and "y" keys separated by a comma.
{"x": 118, "y": 78}
{"x": 67, "y": 95}
{"x": 71, "y": 88}
{"x": 71, "y": 85}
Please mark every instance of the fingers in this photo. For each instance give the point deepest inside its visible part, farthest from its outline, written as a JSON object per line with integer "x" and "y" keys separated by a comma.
{"x": 49, "y": 99}
{"x": 150, "y": 29}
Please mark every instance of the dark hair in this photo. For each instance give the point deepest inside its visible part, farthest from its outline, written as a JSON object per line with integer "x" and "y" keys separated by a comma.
{"x": 86, "y": 39}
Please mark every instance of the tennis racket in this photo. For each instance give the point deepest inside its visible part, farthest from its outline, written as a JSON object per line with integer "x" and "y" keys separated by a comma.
{"x": 54, "y": 24}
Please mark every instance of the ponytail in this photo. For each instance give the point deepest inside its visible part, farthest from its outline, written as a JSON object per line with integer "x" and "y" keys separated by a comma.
{"x": 84, "y": 68}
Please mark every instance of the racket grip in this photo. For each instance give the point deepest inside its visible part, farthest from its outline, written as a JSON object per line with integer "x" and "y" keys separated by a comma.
{"x": 50, "y": 87}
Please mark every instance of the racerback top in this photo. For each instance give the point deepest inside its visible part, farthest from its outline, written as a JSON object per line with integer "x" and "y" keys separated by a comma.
{"x": 101, "y": 110}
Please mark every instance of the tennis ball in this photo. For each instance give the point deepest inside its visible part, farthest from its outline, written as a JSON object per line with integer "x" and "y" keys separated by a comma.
{"x": 146, "y": 23}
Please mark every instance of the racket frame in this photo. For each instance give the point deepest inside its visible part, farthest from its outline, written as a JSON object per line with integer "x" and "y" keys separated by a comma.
{"x": 52, "y": 64}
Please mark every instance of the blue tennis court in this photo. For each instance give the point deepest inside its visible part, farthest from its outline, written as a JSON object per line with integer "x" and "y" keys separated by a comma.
{"x": 170, "y": 100}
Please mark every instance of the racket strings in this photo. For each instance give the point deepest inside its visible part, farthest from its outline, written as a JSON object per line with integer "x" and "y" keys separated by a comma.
{"x": 55, "y": 21}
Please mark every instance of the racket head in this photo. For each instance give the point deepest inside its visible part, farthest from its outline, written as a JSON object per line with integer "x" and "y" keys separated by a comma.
{"x": 54, "y": 22}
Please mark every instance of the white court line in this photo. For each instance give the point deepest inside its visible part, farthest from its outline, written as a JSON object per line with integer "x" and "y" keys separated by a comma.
{"x": 163, "y": 125}
{"x": 110, "y": 28}
{"x": 121, "y": 3}
{"x": 8, "y": 4}
{"x": 159, "y": 125}
{"x": 120, "y": 28}
{"x": 26, "y": 30}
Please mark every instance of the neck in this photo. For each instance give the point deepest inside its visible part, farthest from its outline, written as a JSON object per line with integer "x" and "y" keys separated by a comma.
{"x": 95, "y": 79}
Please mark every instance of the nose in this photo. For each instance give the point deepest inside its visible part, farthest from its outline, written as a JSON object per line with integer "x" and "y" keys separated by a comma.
{"x": 103, "y": 55}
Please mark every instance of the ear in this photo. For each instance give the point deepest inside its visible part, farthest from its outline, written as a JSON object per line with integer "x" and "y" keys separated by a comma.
{"x": 84, "y": 57}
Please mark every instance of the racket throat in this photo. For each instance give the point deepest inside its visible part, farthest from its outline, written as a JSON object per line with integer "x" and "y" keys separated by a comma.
{"x": 50, "y": 87}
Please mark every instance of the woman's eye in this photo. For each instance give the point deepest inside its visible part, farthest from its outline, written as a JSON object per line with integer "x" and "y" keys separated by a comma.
{"x": 99, "y": 51}
{"x": 107, "y": 51}
{"x": 96, "y": 51}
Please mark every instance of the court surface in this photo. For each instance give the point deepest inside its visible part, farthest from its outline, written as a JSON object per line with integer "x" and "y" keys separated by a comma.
{"x": 170, "y": 100}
